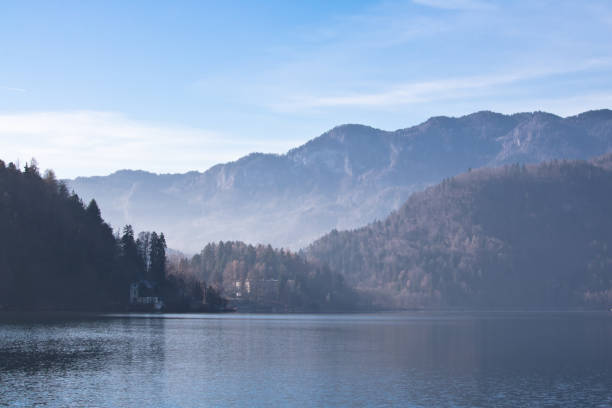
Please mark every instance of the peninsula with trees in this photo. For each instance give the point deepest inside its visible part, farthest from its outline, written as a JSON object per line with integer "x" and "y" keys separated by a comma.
{"x": 58, "y": 254}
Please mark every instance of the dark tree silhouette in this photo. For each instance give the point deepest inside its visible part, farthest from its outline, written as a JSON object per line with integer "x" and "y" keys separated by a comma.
{"x": 55, "y": 253}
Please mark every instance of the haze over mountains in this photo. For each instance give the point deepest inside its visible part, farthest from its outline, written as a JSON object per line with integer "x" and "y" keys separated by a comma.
{"x": 515, "y": 236}
{"x": 343, "y": 179}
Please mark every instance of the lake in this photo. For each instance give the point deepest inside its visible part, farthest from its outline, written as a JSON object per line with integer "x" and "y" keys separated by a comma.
{"x": 441, "y": 359}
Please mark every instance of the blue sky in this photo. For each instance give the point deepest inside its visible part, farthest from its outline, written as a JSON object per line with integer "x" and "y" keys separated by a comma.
{"x": 91, "y": 87}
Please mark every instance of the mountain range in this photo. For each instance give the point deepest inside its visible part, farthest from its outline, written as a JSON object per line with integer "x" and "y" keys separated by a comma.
{"x": 343, "y": 179}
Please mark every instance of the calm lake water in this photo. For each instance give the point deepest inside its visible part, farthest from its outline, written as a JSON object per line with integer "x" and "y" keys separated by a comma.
{"x": 397, "y": 359}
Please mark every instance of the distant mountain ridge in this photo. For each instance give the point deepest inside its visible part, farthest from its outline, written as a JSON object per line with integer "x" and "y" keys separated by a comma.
{"x": 345, "y": 178}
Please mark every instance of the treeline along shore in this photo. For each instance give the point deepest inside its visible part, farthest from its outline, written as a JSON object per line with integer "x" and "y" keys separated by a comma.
{"x": 58, "y": 254}
{"x": 516, "y": 236}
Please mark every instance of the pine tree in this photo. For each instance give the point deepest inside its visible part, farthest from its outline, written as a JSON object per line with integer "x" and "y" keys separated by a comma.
{"x": 93, "y": 212}
{"x": 130, "y": 259}
{"x": 158, "y": 257}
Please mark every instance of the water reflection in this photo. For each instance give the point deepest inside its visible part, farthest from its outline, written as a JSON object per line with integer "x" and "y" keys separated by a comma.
{"x": 51, "y": 358}
{"x": 434, "y": 359}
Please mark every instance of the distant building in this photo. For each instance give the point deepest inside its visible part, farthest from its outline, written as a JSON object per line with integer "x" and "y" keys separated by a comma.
{"x": 258, "y": 289}
{"x": 144, "y": 293}
{"x": 242, "y": 288}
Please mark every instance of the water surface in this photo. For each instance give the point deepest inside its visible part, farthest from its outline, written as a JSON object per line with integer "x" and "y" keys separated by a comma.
{"x": 539, "y": 359}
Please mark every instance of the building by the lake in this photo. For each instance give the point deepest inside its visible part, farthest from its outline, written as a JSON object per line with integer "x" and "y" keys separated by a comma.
{"x": 144, "y": 295}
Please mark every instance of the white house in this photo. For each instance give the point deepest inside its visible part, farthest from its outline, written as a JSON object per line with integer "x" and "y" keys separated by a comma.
{"x": 143, "y": 293}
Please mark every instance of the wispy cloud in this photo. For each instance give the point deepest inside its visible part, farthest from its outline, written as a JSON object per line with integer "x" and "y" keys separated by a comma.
{"x": 434, "y": 90}
{"x": 12, "y": 89}
{"x": 92, "y": 142}
{"x": 394, "y": 55}
{"x": 406, "y": 93}
{"x": 456, "y": 4}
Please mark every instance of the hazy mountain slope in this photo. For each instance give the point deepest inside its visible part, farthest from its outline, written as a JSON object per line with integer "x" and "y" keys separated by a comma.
{"x": 535, "y": 236}
{"x": 347, "y": 177}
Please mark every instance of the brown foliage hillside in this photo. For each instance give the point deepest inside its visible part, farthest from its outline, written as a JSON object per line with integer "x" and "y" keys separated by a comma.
{"x": 516, "y": 236}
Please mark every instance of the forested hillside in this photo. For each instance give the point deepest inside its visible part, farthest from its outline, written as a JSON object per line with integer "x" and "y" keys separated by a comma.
{"x": 347, "y": 177}
{"x": 262, "y": 278}
{"x": 515, "y": 236}
{"x": 56, "y": 253}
